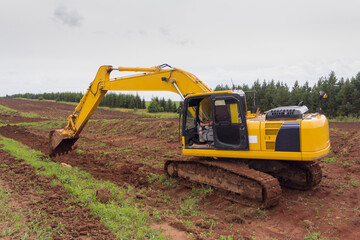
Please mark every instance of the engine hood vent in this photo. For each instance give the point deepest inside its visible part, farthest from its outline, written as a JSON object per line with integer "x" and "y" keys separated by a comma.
{"x": 286, "y": 113}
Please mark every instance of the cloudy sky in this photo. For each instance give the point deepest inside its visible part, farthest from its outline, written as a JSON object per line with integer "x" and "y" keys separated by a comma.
{"x": 53, "y": 45}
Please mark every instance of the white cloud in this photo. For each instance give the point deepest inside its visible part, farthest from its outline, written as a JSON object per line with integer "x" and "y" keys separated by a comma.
{"x": 68, "y": 17}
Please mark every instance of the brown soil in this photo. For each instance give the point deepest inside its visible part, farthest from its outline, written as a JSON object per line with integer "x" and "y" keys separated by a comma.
{"x": 19, "y": 119}
{"x": 77, "y": 221}
{"x": 129, "y": 152}
{"x": 58, "y": 110}
{"x": 104, "y": 195}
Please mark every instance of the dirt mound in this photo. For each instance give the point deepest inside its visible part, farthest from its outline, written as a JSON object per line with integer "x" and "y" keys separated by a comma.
{"x": 104, "y": 195}
{"x": 35, "y": 193}
{"x": 21, "y": 134}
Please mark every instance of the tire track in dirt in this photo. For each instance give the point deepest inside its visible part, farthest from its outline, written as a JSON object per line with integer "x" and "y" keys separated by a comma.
{"x": 77, "y": 221}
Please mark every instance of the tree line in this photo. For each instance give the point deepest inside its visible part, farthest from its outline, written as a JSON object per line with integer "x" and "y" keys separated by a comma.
{"x": 161, "y": 105}
{"x": 343, "y": 95}
{"x": 123, "y": 101}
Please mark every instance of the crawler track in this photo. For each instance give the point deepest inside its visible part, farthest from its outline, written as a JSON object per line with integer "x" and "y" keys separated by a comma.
{"x": 295, "y": 175}
{"x": 301, "y": 176}
{"x": 244, "y": 185}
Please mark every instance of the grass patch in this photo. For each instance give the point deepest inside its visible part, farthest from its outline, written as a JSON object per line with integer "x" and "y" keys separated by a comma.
{"x": 166, "y": 181}
{"x": 314, "y": 236}
{"x": 261, "y": 212}
{"x": 44, "y": 124}
{"x": 329, "y": 160}
{"x": 125, "y": 218}
{"x": 189, "y": 206}
{"x": 344, "y": 119}
{"x": 201, "y": 192}
{"x": 354, "y": 182}
{"x": 12, "y": 112}
{"x": 79, "y": 151}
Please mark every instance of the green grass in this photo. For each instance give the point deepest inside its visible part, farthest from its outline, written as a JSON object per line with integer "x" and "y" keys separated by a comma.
{"x": 314, "y": 236}
{"x": 166, "y": 181}
{"x": 200, "y": 192}
{"x": 354, "y": 182}
{"x": 189, "y": 205}
{"x": 44, "y": 124}
{"x": 125, "y": 218}
{"x": 13, "y": 112}
{"x": 344, "y": 119}
{"x": 329, "y": 160}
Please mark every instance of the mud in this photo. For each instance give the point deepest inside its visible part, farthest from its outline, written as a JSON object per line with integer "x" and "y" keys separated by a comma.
{"x": 130, "y": 152}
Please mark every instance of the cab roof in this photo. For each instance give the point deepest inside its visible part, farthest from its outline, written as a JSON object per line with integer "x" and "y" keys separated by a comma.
{"x": 208, "y": 93}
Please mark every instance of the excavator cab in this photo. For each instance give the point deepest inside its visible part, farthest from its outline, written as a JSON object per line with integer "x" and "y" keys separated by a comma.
{"x": 215, "y": 121}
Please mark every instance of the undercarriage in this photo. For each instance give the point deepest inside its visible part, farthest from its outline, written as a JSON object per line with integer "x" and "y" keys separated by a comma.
{"x": 251, "y": 182}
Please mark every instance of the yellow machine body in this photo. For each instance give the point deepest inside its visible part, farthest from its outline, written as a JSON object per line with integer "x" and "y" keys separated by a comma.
{"x": 314, "y": 141}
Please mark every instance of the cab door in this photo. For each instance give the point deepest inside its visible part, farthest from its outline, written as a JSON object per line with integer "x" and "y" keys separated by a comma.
{"x": 230, "y": 129}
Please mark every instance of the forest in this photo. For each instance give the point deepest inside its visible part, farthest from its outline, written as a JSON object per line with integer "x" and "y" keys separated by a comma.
{"x": 343, "y": 95}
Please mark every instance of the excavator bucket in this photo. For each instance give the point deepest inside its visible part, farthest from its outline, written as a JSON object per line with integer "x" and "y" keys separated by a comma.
{"x": 59, "y": 144}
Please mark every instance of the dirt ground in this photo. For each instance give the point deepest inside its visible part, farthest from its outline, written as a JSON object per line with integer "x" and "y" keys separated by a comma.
{"x": 129, "y": 149}
{"x": 34, "y": 192}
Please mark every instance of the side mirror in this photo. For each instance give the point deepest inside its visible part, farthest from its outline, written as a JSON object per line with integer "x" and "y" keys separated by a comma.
{"x": 322, "y": 95}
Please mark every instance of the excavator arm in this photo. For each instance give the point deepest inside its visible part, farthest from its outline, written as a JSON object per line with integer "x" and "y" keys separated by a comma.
{"x": 151, "y": 79}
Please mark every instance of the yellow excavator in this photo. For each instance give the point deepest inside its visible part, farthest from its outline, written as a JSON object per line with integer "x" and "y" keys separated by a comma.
{"x": 248, "y": 156}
